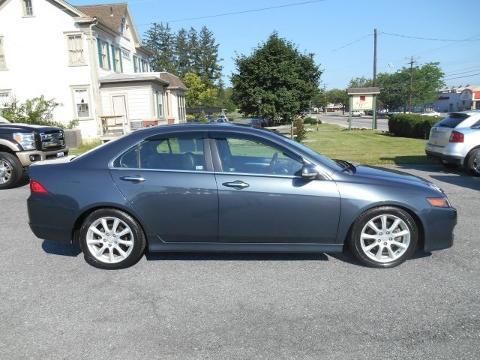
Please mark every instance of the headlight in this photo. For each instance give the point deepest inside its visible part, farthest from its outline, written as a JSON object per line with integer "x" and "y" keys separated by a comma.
{"x": 27, "y": 141}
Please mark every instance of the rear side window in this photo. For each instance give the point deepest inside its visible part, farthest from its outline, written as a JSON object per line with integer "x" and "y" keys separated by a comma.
{"x": 452, "y": 121}
{"x": 173, "y": 153}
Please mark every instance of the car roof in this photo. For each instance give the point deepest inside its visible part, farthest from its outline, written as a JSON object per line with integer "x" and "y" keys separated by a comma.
{"x": 213, "y": 126}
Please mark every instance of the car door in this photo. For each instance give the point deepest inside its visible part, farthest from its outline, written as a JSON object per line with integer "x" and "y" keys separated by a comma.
{"x": 263, "y": 198}
{"x": 169, "y": 182}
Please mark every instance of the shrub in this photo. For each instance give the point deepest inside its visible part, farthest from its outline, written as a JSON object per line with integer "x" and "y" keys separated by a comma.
{"x": 411, "y": 125}
{"x": 299, "y": 130}
{"x": 37, "y": 111}
{"x": 311, "y": 120}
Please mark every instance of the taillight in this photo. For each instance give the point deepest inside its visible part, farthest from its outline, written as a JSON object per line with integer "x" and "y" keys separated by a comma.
{"x": 456, "y": 137}
{"x": 37, "y": 188}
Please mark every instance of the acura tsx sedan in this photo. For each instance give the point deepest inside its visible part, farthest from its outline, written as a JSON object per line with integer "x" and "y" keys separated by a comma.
{"x": 227, "y": 188}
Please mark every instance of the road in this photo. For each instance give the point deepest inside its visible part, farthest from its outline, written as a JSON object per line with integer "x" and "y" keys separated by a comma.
{"x": 219, "y": 306}
{"x": 357, "y": 122}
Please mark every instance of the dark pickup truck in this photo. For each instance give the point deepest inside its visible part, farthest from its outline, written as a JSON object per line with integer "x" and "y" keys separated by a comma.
{"x": 23, "y": 144}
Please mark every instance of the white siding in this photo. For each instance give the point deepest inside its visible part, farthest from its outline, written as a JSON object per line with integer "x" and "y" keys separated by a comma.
{"x": 139, "y": 101}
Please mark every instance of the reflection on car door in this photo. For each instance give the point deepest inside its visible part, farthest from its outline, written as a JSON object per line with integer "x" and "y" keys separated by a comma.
{"x": 172, "y": 188}
{"x": 262, "y": 198}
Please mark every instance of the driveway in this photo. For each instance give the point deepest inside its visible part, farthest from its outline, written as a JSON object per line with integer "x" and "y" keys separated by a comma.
{"x": 54, "y": 306}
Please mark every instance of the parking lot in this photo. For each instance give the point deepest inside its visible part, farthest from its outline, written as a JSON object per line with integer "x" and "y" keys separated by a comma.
{"x": 242, "y": 306}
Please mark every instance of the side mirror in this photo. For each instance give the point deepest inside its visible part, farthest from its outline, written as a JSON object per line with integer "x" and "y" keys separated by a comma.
{"x": 309, "y": 172}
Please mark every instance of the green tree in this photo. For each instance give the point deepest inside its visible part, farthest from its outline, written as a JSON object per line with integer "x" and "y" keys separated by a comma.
{"x": 360, "y": 82}
{"x": 37, "y": 111}
{"x": 199, "y": 93}
{"x": 160, "y": 39}
{"x": 276, "y": 81}
{"x": 208, "y": 65}
{"x": 337, "y": 96}
{"x": 182, "y": 53}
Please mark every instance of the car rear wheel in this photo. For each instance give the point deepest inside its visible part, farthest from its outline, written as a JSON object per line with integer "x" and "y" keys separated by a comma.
{"x": 472, "y": 165}
{"x": 111, "y": 239}
{"x": 384, "y": 237}
{"x": 11, "y": 170}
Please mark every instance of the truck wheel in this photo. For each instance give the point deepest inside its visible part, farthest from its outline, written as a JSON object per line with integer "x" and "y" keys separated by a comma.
{"x": 11, "y": 170}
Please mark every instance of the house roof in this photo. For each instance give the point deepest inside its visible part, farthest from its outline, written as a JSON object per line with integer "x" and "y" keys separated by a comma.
{"x": 110, "y": 15}
{"x": 174, "y": 81}
{"x": 137, "y": 77}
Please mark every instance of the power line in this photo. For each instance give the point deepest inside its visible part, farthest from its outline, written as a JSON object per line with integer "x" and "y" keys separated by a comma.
{"x": 352, "y": 42}
{"x": 463, "y": 72}
{"x": 461, "y": 77}
{"x": 428, "y": 38}
{"x": 301, "y": 3}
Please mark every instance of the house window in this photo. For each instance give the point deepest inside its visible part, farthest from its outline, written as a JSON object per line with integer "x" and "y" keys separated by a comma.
{"x": 126, "y": 54}
{"x": 4, "y": 99}
{"x": 159, "y": 104}
{"x": 81, "y": 103}
{"x": 27, "y": 8}
{"x": 135, "y": 64}
{"x": 103, "y": 54}
{"x": 123, "y": 25}
{"x": 75, "y": 49}
{"x": 117, "y": 59}
{"x": 3, "y": 63}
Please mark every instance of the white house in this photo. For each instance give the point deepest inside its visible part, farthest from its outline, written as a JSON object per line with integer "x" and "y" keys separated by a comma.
{"x": 90, "y": 59}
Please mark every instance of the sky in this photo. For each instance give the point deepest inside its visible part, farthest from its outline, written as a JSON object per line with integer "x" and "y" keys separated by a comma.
{"x": 338, "y": 32}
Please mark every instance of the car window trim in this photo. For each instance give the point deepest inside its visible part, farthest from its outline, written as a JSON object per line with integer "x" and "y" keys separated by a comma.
{"x": 206, "y": 152}
{"x": 218, "y": 166}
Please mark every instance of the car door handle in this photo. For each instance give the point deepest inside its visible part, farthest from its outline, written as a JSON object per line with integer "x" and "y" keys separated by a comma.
{"x": 136, "y": 179}
{"x": 238, "y": 184}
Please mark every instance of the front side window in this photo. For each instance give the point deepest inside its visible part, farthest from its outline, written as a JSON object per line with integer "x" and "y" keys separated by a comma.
{"x": 252, "y": 156}
{"x": 27, "y": 8}
{"x": 174, "y": 153}
{"x": 81, "y": 103}
{"x": 3, "y": 62}
{"x": 75, "y": 49}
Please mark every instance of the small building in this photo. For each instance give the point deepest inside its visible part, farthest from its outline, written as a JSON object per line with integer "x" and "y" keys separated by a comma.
{"x": 91, "y": 60}
{"x": 458, "y": 99}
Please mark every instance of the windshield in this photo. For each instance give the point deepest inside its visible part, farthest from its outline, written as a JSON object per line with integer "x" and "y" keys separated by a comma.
{"x": 315, "y": 155}
{"x": 452, "y": 121}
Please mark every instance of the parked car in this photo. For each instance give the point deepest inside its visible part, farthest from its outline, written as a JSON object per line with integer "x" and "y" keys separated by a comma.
{"x": 455, "y": 141}
{"x": 357, "y": 113}
{"x": 231, "y": 188}
{"x": 23, "y": 144}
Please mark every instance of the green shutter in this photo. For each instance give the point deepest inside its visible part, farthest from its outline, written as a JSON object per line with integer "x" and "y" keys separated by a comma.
{"x": 99, "y": 49}
{"x": 108, "y": 56}
{"x": 121, "y": 60}
{"x": 113, "y": 58}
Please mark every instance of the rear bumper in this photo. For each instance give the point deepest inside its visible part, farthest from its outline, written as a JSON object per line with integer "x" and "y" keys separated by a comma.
{"x": 458, "y": 160}
{"x": 439, "y": 225}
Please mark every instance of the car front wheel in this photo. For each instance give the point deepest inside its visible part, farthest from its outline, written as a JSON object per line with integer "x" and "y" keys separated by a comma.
{"x": 111, "y": 239}
{"x": 384, "y": 237}
{"x": 11, "y": 171}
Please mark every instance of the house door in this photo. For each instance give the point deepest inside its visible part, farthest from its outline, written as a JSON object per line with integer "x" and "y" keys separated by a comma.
{"x": 120, "y": 110}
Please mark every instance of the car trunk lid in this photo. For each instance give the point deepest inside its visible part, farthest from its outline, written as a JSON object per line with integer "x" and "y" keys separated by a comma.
{"x": 441, "y": 132}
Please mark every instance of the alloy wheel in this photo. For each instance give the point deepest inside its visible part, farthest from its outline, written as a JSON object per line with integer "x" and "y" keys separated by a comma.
{"x": 476, "y": 163}
{"x": 110, "y": 240}
{"x": 385, "y": 238}
{"x": 5, "y": 171}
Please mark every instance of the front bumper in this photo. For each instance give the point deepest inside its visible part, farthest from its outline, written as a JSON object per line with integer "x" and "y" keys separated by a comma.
{"x": 27, "y": 158}
{"x": 439, "y": 224}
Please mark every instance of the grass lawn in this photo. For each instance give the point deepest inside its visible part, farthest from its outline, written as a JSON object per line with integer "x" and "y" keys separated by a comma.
{"x": 84, "y": 148}
{"x": 366, "y": 146}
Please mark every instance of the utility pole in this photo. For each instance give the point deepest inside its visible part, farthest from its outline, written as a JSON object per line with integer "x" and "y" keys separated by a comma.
{"x": 374, "y": 57}
{"x": 412, "y": 62}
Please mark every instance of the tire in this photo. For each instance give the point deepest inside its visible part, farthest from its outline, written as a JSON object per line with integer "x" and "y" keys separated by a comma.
{"x": 11, "y": 170}
{"x": 449, "y": 165}
{"x": 472, "y": 164}
{"x": 381, "y": 248}
{"x": 108, "y": 248}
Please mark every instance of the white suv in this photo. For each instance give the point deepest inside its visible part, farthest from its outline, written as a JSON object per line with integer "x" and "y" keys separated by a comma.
{"x": 455, "y": 140}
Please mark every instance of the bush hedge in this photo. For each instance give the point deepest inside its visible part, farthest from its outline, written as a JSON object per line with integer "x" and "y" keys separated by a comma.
{"x": 311, "y": 120}
{"x": 411, "y": 125}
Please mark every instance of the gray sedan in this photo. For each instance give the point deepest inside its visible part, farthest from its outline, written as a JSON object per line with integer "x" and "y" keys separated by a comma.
{"x": 232, "y": 188}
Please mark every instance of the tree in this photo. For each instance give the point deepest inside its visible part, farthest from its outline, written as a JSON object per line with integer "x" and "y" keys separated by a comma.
{"x": 199, "y": 93}
{"x": 276, "y": 81}
{"x": 33, "y": 111}
{"x": 360, "y": 82}
{"x": 182, "y": 53}
{"x": 337, "y": 96}
{"x": 160, "y": 39}
{"x": 208, "y": 65}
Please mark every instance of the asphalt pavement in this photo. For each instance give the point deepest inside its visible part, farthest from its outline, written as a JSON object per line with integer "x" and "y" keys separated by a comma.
{"x": 243, "y": 306}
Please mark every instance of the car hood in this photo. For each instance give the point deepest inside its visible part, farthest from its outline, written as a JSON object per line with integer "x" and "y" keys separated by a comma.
{"x": 390, "y": 175}
{"x": 27, "y": 127}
